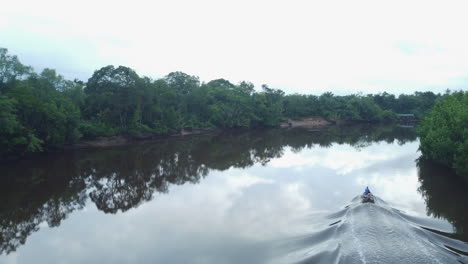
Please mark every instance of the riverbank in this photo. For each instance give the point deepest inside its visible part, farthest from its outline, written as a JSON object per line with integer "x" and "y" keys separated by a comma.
{"x": 125, "y": 139}
{"x": 315, "y": 123}
{"x": 310, "y": 122}
{"x": 122, "y": 140}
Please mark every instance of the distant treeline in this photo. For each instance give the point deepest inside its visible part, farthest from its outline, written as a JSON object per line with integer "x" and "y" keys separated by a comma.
{"x": 44, "y": 110}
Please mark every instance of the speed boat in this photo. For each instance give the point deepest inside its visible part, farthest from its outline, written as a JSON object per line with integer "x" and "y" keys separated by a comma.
{"x": 367, "y": 198}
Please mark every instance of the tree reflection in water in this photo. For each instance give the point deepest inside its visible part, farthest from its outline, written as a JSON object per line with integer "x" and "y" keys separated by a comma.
{"x": 445, "y": 194}
{"x": 50, "y": 187}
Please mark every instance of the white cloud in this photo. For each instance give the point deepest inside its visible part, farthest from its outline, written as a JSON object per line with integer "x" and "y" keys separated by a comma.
{"x": 341, "y": 158}
{"x": 299, "y": 46}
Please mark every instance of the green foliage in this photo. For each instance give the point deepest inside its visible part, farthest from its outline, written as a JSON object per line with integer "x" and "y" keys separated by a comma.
{"x": 93, "y": 129}
{"x": 350, "y": 107}
{"x": 36, "y": 111}
{"x": 112, "y": 95}
{"x": 268, "y": 107}
{"x": 14, "y": 137}
{"x": 227, "y": 105}
{"x": 44, "y": 110}
{"x": 11, "y": 69}
{"x": 50, "y": 114}
{"x": 299, "y": 106}
{"x": 182, "y": 83}
{"x": 444, "y": 132}
{"x": 418, "y": 103}
{"x": 8, "y": 121}
{"x": 388, "y": 115}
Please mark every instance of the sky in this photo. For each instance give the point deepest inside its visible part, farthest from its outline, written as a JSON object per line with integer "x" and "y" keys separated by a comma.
{"x": 298, "y": 46}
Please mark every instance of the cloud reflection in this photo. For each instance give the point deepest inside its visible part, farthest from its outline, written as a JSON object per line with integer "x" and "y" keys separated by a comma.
{"x": 238, "y": 206}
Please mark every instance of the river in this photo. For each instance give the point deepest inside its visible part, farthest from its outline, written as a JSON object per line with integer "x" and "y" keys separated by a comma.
{"x": 264, "y": 196}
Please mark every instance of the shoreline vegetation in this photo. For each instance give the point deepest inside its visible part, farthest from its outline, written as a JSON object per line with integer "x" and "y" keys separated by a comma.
{"x": 444, "y": 133}
{"x": 119, "y": 140}
{"x": 43, "y": 111}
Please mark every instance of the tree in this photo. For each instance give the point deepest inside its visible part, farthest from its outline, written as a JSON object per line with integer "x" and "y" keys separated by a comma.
{"x": 45, "y": 110}
{"x": 229, "y": 105}
{"x": 181, "y": 82}
{"x": 14, "y": 137}
{"x": 11, "y": 69}
{"x": 297, "y": 106}
{"x": 444, "y": 132}
{"x": 113, "y": 95}
{"x": 268, "y": 106}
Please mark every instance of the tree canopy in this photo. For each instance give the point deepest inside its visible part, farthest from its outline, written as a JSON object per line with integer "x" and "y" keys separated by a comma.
{"x": 43, "y": 110}
{"x": 444, "y": 132}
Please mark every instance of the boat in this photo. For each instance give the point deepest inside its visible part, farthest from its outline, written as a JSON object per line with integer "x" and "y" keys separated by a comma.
{"x": 367, "y": 198}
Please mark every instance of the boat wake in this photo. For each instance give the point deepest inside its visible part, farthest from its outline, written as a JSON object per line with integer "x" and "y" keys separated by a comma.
{"x": 373, "y": 233}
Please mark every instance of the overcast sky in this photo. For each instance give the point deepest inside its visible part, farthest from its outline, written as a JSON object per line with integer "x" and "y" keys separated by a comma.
{"x": 298, "y": 46}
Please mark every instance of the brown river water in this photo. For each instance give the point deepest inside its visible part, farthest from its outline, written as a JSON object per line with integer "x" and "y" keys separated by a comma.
{"x": 266, "y": 196}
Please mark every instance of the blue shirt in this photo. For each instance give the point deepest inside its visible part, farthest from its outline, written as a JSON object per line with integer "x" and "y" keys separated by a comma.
{"x": 367, "y": 191}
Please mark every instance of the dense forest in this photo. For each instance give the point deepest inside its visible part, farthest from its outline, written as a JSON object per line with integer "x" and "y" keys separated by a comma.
{"x": 40, "y": 111}
{"x": 444, "y": 132}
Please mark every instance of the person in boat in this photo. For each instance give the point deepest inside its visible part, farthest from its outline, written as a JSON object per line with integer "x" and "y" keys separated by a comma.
{"x": 367, "y": 191}
{"x": 367, "y": 196}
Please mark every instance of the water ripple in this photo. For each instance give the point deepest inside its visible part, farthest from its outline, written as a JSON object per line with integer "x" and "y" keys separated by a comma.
{"x": 373, "y": 233}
